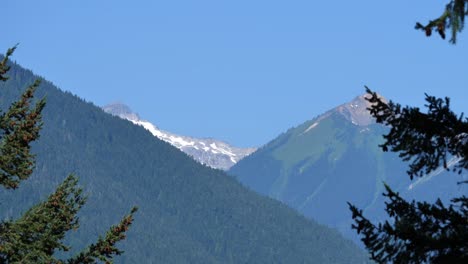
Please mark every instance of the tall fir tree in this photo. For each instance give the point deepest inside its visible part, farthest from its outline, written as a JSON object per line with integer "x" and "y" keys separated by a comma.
{"x": 422, "y": 232}
{"x": 38, "y": 234}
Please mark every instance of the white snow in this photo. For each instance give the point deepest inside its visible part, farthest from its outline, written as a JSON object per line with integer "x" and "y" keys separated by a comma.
{"x": 183, "y": 143}
{"x": 438, "y": 171}
{"x": 364, "y": 130}
{"x": 180, "y": 141}
{"x": 222, "y": 150}
{"x": 177, "y": 141}
{"x": 309, "y": 128}
{"x": 150, "y": 127}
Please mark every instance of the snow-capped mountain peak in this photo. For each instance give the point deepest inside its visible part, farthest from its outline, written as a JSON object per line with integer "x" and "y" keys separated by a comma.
{"x": 211, "y": 152}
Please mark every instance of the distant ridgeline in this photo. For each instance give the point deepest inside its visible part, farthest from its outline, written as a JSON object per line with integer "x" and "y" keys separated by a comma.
{"x": 188, "y": 213}
{"x": 211, "y": 152}
{"x": 334, "y": 158}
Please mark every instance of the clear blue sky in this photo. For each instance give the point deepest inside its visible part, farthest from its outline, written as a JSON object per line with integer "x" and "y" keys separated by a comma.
{"x": 242, "y": 71}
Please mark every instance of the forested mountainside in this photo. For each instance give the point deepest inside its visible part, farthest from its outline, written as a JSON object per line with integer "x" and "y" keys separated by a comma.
{"x": 320, "y": 165}
{"x": 189, "y": 213}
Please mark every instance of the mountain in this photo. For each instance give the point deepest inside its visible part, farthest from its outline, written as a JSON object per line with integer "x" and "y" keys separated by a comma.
{"x": 334, "y": 158}
{"x": 188, "y": 213}
{"x": 214, "y": 153}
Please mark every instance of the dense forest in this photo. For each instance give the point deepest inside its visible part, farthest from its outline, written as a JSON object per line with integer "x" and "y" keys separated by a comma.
{"x": 188, "y": 213}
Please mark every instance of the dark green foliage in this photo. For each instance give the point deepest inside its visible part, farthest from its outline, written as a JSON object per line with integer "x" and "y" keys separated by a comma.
{"x": 453, "y": 17}
{"x": 188, "y": 213}
{"x": 4, "y": 68}
{"x": 105, "y": 248}
{"x": 19, "y": 127}
{"x": 427, "y": 140}
{"x": 419, "y": 232}
{"x": 38, "y": 234}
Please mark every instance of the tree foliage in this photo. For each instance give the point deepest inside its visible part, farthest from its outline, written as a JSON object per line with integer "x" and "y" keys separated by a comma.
{"x": 420, "y": 231}
{"x": 426, "y": 140}
{"x": 38, "y": 234}
{"x": 452, "y": 18}
{"x": 20, "y": 126}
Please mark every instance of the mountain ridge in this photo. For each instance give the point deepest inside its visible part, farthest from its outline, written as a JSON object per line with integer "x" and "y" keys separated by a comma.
{"x": 335, "y": 158}
{"x": 211, "y": 152}
{"x": 188, "y": 213}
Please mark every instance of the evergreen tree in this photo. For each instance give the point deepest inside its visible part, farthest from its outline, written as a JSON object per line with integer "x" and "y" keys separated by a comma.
{"x": 422, "y": 232}
{"x": 38, "y": 234}
{"x": 19, "y": 126}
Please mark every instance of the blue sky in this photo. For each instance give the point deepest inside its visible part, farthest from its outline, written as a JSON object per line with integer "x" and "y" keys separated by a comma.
{"x": 241, "y": 71}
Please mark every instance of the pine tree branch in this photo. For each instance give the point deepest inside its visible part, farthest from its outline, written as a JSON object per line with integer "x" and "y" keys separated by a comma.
{"x": 38, "y": 234}
{"x": 426, "y": 140}
{"x": 105, "y": 248}
{"x": 453, "y": 17}
{"x": 20, "y": 125}
{"x": 4, "y": 68}
{"x": 420, "y": 233}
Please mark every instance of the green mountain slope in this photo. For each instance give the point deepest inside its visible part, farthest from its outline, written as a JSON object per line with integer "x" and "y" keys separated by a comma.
{"x": 188, "y": 213}
{"x": 321, "y": 164}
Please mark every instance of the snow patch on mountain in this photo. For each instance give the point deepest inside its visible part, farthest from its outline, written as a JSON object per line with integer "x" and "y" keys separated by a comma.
{"x": 453, "y": 161}
{"x": 309, "y": 128}
{"x": 211, "y": 152}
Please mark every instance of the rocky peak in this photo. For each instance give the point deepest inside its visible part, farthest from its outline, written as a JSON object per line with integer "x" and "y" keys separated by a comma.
{"x": 356, "y": 111}
{"x": 121, "y": 110}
